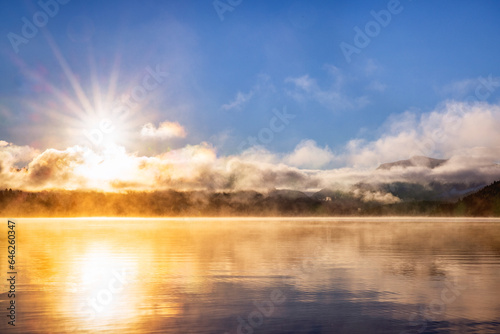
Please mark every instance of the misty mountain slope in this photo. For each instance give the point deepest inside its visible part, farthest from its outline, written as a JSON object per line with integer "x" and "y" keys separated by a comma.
{"x": 415, "y": 161}
{"x": 424, "y": 183}
{"x": 485, "y": 202}
{"x": 287, "y": 194}
{"x": 435, "y": 191}
{"x": 332, "y": 194}
{"x": 404, "y": 191}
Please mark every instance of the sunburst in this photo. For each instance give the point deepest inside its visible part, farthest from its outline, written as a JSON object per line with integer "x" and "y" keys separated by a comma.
{"x": 95, "y": 117}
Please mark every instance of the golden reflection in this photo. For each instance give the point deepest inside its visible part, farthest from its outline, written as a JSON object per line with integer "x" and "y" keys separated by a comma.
{"x": 100, "y": 293}
{"x": 122, "y": 275}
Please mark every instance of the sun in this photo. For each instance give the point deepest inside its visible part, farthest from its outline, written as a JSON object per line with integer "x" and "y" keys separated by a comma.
{"x": 105, "y": 128}
{"x": 111, "y": 163}
{"x": 96, "y": 115}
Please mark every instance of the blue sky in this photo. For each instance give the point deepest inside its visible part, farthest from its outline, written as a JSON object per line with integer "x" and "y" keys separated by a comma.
{"x": 225, "y": 70}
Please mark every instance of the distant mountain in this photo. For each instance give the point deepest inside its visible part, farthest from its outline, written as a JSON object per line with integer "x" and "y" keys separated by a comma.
{"x": 416, "y": 161}
{"x": 405, "y": 191}
{"x": 433, "y": 191}
{"x": 424, "y": 191}
{"x": 288, "y": 194}
{"x": 485, "y": 202}
{"x": 331, "y": 195}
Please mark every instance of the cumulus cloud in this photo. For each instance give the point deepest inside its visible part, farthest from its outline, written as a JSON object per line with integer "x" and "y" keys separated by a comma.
{"x": 467, "y": 135}
{"x": 14, "y": 157}
{"x": 307, "y": 154}
{"x": 165, "y": 130}
{"x": 55, "y": 168}
{"x": 453, "y": 129}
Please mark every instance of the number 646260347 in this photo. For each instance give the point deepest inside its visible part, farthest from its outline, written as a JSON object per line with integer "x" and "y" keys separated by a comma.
{"x": 12, "y": 243}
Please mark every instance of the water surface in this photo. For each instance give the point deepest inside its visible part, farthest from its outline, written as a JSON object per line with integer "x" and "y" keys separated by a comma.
{"x": 255, "y": 276}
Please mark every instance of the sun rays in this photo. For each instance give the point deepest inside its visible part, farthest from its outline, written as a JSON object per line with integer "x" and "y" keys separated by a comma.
{"x": 95, "y": 111}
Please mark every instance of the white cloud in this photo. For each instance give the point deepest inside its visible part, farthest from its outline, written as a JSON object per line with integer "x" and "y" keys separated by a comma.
{"x": 260, "y": 154}
{"x": 473, "y": 89}
{"x": 306, "y": 88}
{"x": 459, "y": 88}
{"x": 377, "y": 196}
{"x": 239, "y": 100}
{"x": 467, "y": 134}
{"x": 164, "y": 131}
{"x": 307, "y": 154}
{"x": 263, "y": 84}
{"x": 304, "y": 82}
{"x": 13, "y": 156}
{"x": 452, "y": 129}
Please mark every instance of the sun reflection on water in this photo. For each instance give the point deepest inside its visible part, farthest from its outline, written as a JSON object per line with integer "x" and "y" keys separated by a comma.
{"x": 101, "y": 293}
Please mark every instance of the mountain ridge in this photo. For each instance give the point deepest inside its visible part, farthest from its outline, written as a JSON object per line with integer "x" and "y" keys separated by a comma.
{"x": 414, "y": 161}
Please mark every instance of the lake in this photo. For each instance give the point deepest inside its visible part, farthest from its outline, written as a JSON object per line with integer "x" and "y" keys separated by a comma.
{"x": 233, "y": 275}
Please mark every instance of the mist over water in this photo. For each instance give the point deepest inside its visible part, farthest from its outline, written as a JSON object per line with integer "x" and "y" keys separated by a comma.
{"x": 256, "y": 275}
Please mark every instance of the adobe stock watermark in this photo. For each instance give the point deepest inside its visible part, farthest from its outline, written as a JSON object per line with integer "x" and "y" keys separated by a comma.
{"x": 435, "y": 308}
{"x": 485, "y": 87}
{"x": 29, "y": 29}
{"x": 122, "y": 109}
{"x": 100, "y": 300}
{"x": 277, "y": 123}
{"x": 256, "y": 318}
{"x": 372, "y": 29}
{"x": 222, "y": 6}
